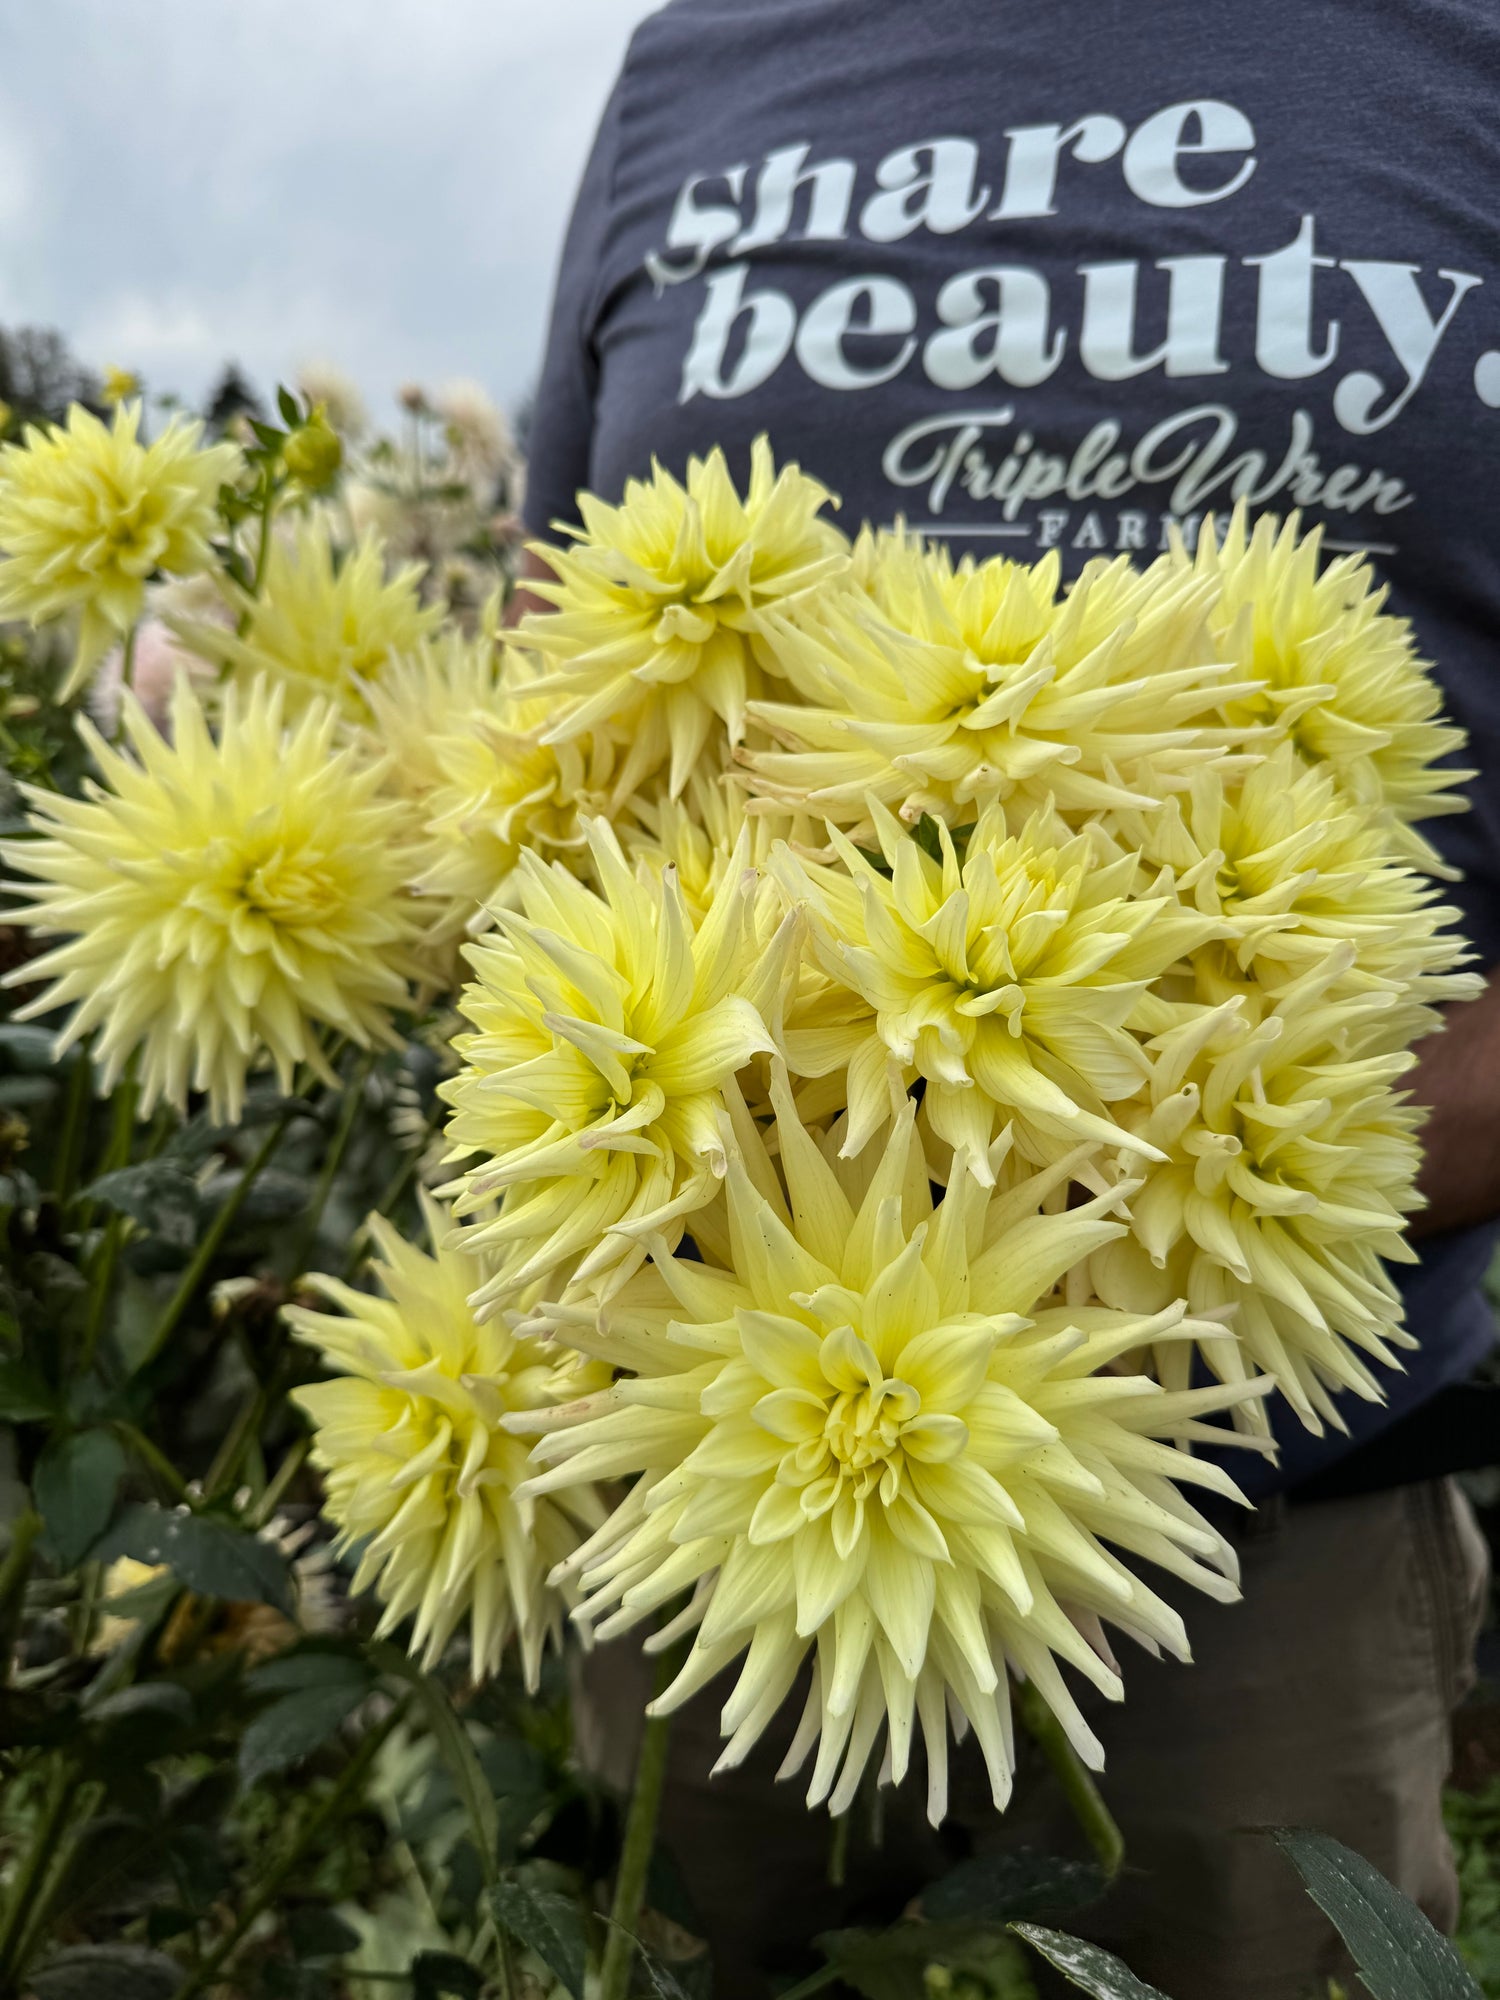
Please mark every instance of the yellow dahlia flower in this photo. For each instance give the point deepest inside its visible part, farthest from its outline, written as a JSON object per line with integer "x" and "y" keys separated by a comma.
{"x": 604, "y": 1024}
{"x": 419, "y": 1472}
{"x": 220, "y": 898}
{"x": 1291, "y": 1161}
{"x": 1007, "y": 980}
{"x": 1339, "y": 675}
{"x": 699, "y": 834}
{"x": 661, "y": 608}
{"x": 324, "y": 622}
{"x": 941, "y": 687}
{"x": 867, "y": 1442}
{"x": 89, "y": 514}
{"x": 1292, "y": 867}
{"x": 461, "y": 727}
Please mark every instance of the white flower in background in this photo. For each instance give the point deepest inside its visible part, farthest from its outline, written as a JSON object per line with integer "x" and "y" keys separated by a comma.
{"x": 476, "y": 433}
{"x": 343, "y": 405}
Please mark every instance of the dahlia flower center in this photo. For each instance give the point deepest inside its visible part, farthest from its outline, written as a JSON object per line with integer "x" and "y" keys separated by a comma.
{"x": 863, "y": 1427}
{"x": 1253, "y": 1155}
{"x": 447, "y": 1428}
{"x": 130, "y": 532}
{"x": 858, "y": 1453}
{"x": 617, "y": 1083}
{"x": 849, "y": 1440}
{"x": 1227, "y": 884}
{"x": 1006, "y": 998}
{"x": 989, "y": 673}
{"x": 290, "y": 890}
{"x": 367, "y": 651}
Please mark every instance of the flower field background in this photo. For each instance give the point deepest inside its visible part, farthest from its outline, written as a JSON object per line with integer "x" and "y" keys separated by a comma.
{"x": 800, "y": 1106}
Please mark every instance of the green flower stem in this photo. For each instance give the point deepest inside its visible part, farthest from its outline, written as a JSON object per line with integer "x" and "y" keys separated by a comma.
{"x": 153, "y": 1456}
{"x": 102, "y": 1271}
{"x": 838, "y": 1852}
{"x": 82, "y": 1806}
{"x": 354, "y": 1091}
{"x": 117, "y": 1147}
{"x": 635, "y": 1855}
{"x": 101, "y": 1288}
{"x": 75, "y": 1121}
{"x": 21, "y": 1902}
{"x": 267, "y": 510}
{"x": 282, "y": 1478}
{"x": 395, "y": 1187}
{"x": 505, "y": 1964}
{"x": 225, "y": 1470}
{"x": 127, "y": 659}
{"x": 213, "y": 1236}
{"x": 90, "y": 1588}
{"x": 206, "y": 1972}
{"x": 1077, "y": 1782}
{"x": 15, "y": 1573}
{"x": 122, "y": 1126}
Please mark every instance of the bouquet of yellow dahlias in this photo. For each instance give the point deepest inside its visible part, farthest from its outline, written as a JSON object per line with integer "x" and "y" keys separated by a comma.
{"x": 1066, "y": 1115}
{"x": 923, "y": 1054}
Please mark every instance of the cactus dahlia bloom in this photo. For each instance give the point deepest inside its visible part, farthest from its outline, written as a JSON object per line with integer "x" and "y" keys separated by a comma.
{"x": 460, "y": 727}
{"x": 1006, "y": 980}
{"x": 322, "y": 622}
{"x": 1291, "y": 1163}
{"x": 699, "y": 833}
{"x": 89, "y": 514}
{"x": 419, "y": 1471}
{"x": 604, "y": 1024}
{"x": 1339, "y": 676}
{"x": 1292, "y": 868}
{"x": 220, "y": 898}
{"x": 658, "y": 636}
{"x": 941, "y": 687}
{"x": 867, "y": 1443}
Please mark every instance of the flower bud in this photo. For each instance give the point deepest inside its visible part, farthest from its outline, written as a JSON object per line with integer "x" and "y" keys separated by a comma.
{"x": 119, "y": 385}
{"x": 312, "y": 453}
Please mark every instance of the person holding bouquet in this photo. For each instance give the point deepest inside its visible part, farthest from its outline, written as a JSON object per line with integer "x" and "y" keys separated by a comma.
{"x": 1055, "y": 288}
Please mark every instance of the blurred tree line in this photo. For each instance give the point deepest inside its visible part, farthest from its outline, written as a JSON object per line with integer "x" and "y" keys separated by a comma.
{"x": 40, "y": 376}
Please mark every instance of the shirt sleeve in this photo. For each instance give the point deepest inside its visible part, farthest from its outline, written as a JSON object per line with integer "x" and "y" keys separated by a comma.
{"x": 562, "y": 423}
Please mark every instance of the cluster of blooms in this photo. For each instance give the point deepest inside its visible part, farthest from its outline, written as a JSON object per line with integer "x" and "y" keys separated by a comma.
{"x": 930, "y": 1039}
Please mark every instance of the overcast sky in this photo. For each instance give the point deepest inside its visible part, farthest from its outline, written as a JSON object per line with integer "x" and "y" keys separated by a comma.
{"x": 378, "y": 183}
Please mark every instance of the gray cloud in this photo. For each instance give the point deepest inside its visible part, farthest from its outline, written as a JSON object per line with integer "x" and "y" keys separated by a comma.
{"x": 378, "y": 183}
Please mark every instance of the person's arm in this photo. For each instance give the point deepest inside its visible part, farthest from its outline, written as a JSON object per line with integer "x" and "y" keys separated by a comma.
{"x": 522, "y": 600}
{"x": 1458, "y": 1076}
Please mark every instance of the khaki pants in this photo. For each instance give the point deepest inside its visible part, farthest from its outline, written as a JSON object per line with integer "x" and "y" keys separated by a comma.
{"x": 1324, "y": 1700}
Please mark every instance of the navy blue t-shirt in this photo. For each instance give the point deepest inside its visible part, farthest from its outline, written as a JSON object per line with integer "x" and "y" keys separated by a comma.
{"x": 1059, "y": 277}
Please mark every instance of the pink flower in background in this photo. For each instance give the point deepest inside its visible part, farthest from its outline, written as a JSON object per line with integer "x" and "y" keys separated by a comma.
{"x": 160, "y": 657}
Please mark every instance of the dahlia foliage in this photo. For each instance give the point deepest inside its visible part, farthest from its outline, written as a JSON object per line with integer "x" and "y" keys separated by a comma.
{"x": 925, "y": 1048}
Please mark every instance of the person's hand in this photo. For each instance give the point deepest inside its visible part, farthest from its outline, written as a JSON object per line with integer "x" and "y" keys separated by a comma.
{"x": 1458, "y": 1076}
